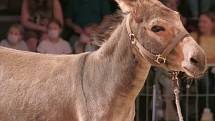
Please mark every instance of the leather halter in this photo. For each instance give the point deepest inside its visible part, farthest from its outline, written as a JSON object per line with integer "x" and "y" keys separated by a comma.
{"x": 157, "y": 58}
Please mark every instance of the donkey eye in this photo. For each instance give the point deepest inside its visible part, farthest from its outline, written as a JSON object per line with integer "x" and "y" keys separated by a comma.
{"x": 157, "y": 29}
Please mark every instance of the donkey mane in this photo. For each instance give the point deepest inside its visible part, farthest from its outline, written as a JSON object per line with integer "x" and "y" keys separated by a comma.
{"x": 107, "y": 28}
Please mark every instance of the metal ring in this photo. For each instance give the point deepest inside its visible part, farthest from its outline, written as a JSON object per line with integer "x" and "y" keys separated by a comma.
{"x": 131, "y": 36}
{"x": 160, "y": 59}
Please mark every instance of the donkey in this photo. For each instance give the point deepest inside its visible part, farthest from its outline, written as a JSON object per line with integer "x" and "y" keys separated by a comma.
{"x": 100, "y": 85}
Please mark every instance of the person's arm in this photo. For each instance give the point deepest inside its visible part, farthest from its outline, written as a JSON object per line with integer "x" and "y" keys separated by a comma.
{"x": 105, "y": 12}
{"x": 25, "y": 19}
{"x": 3, "y": 43}
{"x": 41, "y": 48}
{"x": 73, "y": 26}
{"x": 67, "y": 48}
{"x": 58, "y": 13}
{"x": 24, "y": 46}
{"x": 69, "y": 18}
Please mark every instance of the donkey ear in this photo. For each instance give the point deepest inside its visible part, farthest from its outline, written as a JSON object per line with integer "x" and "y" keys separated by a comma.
{"x": 126, "y": 5}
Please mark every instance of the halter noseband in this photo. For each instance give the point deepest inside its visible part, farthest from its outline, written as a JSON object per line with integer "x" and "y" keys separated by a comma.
{"x": 157, "y": 58}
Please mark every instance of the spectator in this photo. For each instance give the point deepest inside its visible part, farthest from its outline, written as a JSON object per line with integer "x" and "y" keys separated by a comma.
{"x": 207, "y": 24}
{"x": 86, "y": 39}
{"x": 36, "y": 14}
{"x": 14, "y": 38}
{"x": 82, "y": 14}
{"x": 207, "y": 34}
{"x": 206, "y": 39}
{"x": 55, "y": 44}
{"x": 32, "y": 41}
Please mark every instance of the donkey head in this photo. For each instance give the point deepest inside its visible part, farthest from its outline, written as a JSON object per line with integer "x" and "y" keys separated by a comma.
{"x": 156, "y": 27}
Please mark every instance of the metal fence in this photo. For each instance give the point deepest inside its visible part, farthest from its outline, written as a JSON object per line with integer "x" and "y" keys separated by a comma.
{"x": 193, "y": 101}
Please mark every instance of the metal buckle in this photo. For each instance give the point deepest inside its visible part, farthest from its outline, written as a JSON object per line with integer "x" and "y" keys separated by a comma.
{"x": 131, "y": 37}
{"x": 174, "y": 75}
{"x": 160, "y": 59}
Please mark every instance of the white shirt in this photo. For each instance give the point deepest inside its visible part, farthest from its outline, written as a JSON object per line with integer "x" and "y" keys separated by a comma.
{"x": 61, "y": 47}
{"x": 19, "y": 46}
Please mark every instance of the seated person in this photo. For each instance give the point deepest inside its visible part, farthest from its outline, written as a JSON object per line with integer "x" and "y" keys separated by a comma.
{"x": 54, "y": 44}
{"x": 82, "y": 14}
{"x": 14, "y": 38}
{"x": 206, "y": 37}
{"x": 36, "y": 14}
{"x": 85, "y": 38}
{"x": 32, "y": 41}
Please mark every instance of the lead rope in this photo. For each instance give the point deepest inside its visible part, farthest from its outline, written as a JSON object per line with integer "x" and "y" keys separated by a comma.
{"x": 176, "y": 92}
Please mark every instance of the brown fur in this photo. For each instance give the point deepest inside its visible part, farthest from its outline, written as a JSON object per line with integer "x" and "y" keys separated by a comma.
{"x": 97, "y": 86}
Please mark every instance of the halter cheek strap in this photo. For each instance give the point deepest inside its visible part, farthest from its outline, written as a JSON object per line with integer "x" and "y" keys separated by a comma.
{"x": 158, "y": 59}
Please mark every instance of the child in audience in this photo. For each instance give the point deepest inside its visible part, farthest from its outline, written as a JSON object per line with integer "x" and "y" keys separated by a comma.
{"x": 32, "y": 41}
{"x": 14, "y": 38}
{"x": 55, "y": 44}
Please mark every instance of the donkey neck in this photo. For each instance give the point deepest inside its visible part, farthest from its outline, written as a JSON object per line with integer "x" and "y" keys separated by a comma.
{"x": 115, "y": 77}
{"x": 131, "y": 69}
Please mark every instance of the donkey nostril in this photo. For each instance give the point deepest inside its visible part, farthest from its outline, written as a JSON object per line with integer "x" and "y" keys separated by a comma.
{"x": 194, "y": 61}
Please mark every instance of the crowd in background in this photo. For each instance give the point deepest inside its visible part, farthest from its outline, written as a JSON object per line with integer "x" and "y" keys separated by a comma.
{"x": 59, "y": 24}
{"x": 65, "y": 27}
